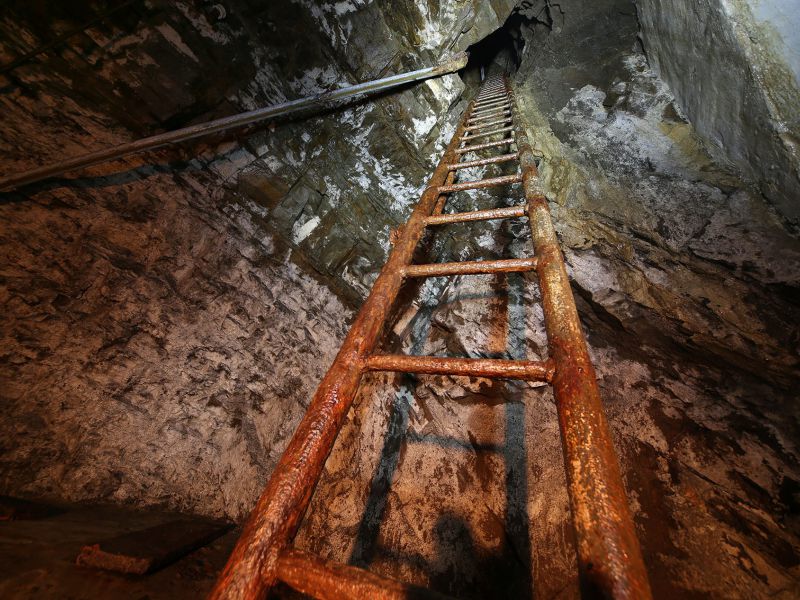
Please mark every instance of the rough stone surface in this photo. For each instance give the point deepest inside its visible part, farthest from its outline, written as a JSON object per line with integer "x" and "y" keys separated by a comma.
{"x": 164, "y": 326}
{"x": 164, "y": 303}
{"x": 334, "y": 185}
{"x": 146, "y": 339}
{"x": 733, "y": 67}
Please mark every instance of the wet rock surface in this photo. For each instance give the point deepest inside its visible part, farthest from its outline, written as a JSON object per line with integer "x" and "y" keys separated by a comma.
{"x": 332, "y": 186}
{"x": 185, "y": 303}
{"x": 145, "y": 348}
{"x": 733, "y": 67}
{"x": 164, "y": 326}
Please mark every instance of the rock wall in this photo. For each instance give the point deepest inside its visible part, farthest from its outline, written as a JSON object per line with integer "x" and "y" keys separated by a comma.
{"x": 145, "y": 338}
{"x": 166, "y": 319}
{"x": 333, "y": 186}
{"x": 733, "y": 67}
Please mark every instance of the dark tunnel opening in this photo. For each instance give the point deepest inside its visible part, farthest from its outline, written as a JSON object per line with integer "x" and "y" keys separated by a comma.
{"x": 501, "y": 51}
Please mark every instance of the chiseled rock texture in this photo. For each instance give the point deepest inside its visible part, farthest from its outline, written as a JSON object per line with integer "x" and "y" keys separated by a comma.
{"x": 734, "y": 67}
{"x": 165, "y": 320}
{"x": 333, "y": 186}
{"x": 155, "y": 350}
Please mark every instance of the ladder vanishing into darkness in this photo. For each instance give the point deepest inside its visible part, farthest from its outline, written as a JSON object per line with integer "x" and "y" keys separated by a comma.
{"x": 609, "y": 559}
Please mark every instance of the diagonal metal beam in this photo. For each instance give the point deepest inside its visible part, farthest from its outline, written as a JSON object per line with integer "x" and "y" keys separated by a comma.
{"x": 152, "y": 142}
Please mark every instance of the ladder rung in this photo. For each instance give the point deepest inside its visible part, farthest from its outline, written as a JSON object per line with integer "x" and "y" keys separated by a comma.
{"x": 481, "y": 108}
{"x": 498, "y": 100}
{"x": 317, "y": 577}
{"x": 492, "y": 114}
{"x": 487, "y": 133}
{"x": 488, "y": 124}
{"x": 489, "y": 106}
{"x": 484, "y": 161}
{"x": 474, "y": 147}
{"x": 508, "y": 212}
{"x": 484, "y": 106}
{"x": 488, "y": 116}
{"x": 471, "y": 267}
{"x": 482, "y": 102}
{"x": 491, "y": 95}
{"x": 493, "y": 107}
{"x": 479, "y": 183}
{"x": 528, "y": 370}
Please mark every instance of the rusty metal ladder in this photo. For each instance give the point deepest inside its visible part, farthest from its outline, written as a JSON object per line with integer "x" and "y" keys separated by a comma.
{"x": 609, "y": 559}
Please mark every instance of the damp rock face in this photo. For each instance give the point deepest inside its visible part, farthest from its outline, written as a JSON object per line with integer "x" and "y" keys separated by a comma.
{"x": 733, "y": 67}
{"x": 145, "y": 346}
{"x": 331, "y": 187}
{"x": 166, "y": 320}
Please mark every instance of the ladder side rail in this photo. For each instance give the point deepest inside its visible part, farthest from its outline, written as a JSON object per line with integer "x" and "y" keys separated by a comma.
{"x": 251, "y": 570}
{"x": 610, "y": 562}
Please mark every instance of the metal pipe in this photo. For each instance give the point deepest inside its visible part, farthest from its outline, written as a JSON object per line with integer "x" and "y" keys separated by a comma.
{"x": 509, "y": 212}
{"x": 251, "y": 569}
{"x": 471, "y": 267}
{"x": 610, "y": 562}
{"x": 327, "y": 580}
{"x": 526, "y": 370}
{"x": 451, "y": 65}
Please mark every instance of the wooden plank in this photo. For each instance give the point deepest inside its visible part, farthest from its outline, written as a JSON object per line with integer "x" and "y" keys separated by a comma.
{"x": 148, "y": 550}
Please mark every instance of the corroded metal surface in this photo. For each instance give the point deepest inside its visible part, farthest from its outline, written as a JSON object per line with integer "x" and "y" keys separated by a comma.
{"x": 480, "y": 183}
{"x": 472, "y": 267}
{"x": 492, "y": 107}
{"x": 484, "y": 161}
{"x": 495, "y": 105}
{"x": 327, "y": 580}
{"x": 502, "y": 142}
{"x": 451, "y": 65}
{"x": 528, "y": 370}
{"x": 478, "y": 215}
{"x": 489, "y": 97}
{"x": 489, "y": 123}
{"x": 609, "y": 559}
{"x": 490, "y": 133}
{"x": 490, "y": 114}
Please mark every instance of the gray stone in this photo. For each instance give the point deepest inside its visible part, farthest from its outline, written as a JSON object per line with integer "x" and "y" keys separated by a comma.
{"x": 732, "y": 66}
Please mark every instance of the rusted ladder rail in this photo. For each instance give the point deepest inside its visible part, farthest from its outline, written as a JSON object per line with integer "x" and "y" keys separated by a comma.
{"x": 609, "y": 559}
